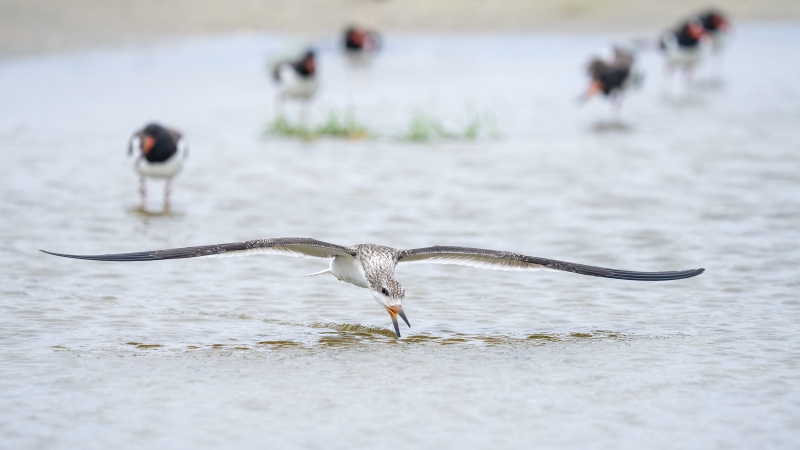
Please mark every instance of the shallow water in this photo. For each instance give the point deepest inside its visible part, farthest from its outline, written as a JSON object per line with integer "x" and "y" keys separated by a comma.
{"x": 243, "y": 353}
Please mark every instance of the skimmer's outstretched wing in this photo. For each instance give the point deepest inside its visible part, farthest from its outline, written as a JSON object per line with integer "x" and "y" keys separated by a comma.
{"x": 301, "y": 247}
{"x": 499, "y": 260}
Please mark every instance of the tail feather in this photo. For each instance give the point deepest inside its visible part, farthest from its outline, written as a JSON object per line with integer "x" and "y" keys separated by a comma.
{"x": 321, "y": 272}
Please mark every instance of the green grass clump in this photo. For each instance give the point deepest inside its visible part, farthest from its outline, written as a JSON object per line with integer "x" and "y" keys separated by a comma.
{"x": 422, "y": 128}
{"x": 425, "y": 128}
{"x": 336, "y": 126}
{"x": 345, "y": 127}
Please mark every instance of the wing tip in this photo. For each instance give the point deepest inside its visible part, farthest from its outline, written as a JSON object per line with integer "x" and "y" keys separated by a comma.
{"x": 63, "y": 255}
{"x": 656, "y": 276}
{"x": 114, "y": 257}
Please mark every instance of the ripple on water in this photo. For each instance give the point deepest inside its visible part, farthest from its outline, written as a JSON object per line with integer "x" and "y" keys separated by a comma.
{"x": 343, "y": 336}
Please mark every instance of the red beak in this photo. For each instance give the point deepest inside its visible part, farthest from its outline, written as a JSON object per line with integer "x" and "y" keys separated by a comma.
{"x": 696, "y": 30}
{"x": 394, "y": 311}
{"x": 147, "y": 144}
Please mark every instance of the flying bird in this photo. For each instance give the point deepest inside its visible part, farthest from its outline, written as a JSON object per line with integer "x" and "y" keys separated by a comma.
{"x": 372, "y": 266}
{"x": 159, "y": 153}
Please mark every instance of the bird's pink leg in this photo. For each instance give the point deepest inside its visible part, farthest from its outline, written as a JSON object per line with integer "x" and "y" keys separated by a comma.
{"x": 279, "y": 106}
{"x": 616, "y": 102}
{"x": 666, "y": 87}
{"x": 167, "y": 192}
{"x": 142, "y": 193}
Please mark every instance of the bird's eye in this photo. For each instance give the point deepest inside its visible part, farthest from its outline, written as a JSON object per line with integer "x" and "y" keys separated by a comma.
{"x": 384, "y": 291}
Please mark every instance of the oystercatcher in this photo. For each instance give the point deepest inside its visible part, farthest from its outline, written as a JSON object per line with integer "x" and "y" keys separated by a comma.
{"x": 296, "y": 79}
{"x": 159, "y": 153}
{"x": 681, "y": 47}
{"x": 360, "y": 45}
{"x": 612, "y": 77}
{"x": 717, "y": 26}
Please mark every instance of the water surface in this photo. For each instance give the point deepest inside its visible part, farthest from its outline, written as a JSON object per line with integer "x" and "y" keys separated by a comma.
{"x": 245, "y": 353}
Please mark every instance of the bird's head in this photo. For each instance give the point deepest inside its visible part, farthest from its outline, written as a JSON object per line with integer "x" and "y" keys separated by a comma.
{"x": 694, "y": 28}
{"x": 713, "y": 21}
{"x": 721, "y": 22}
{"x": 354, "y": 37}
{"x": 389, "y": 293}
{"x": 153, "y": 136}
{"x": 308, "y": 64}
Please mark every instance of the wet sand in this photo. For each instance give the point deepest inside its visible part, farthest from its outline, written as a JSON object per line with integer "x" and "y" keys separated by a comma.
{"x": 54, "y": 25}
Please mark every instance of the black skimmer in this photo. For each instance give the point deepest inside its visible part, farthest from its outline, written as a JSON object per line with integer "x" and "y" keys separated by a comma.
{"x": 372, "y": 266}
{"x": 296, "y": 79}
{"x": 159, "y": 153}
{"x": 612, "y": 77}
{"x": 360, "y": 45}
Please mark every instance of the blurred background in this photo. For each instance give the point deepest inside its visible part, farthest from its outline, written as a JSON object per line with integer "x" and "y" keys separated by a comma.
{"x": 510, "y": 125}
{"x": 52, "y": 26}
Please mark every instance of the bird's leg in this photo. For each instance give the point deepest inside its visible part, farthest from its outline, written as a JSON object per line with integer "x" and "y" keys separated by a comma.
{"x": 718, "y": 67}
{"x": 279, "y": 106}
{"x": 350, "y": 88}
{"x": 167, "y": 192}
{"x": 304, "y": 113}
{"x": 616, "y": 111}
{"x": 142, "y": 193}
{"x": 688, "y": 77}
{"x": 665, "y": 85}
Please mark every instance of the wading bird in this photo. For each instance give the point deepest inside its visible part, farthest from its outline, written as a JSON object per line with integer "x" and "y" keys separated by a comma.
{"x": 296, "y": 80}
{"x": 159, "y": 153}
{"x": 613, "y": 77}
{"x": 360, "y": 45}
{"x": 717, "y": 28}
{"x": 681, "y": 47}
{"x": 372, "y": 266}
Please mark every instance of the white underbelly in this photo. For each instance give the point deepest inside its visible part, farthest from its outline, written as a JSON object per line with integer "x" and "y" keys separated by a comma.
{"x": 360, "y": 59}
{"x": 685, "y": 57}
{"x": 295, "y": 86}
{"x": 347, "y": 269}
{"x": 164, "y": 169}
{"x": 718, "y": 39}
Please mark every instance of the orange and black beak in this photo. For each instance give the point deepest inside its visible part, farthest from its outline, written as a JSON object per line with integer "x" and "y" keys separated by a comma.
{"x": 394, "y": 311}
{"x": 722, "y": 24}
{"x": 147, "y": 143}
{"x": 595, "y": 88}
{"x": 696, "y": 30}
{"x": 358, "y": 37}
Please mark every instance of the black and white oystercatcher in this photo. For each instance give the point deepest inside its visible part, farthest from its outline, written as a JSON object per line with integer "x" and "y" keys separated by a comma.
{"x": 296, "y": 79}
{"x": 612, "y": 77}
{"x": 681, "y": 47}
{"x": 159, "y": 153}
{"x": 717, "y": 26}
{"x": 360, "y": 45}
{"x": 372, "y": 266}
